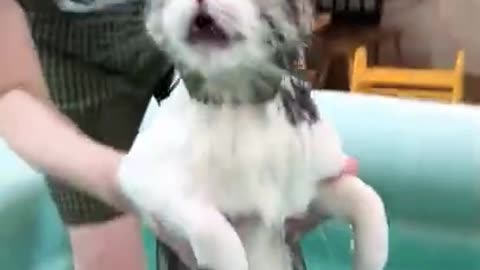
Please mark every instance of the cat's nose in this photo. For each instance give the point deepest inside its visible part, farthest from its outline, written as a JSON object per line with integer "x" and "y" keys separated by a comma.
{"x": 200, "y": 2}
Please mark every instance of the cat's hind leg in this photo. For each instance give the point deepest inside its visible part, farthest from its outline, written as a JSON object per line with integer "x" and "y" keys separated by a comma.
{"x": 349, "y": 198}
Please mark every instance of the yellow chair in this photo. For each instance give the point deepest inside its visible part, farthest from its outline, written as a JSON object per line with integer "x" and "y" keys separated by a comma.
{"x": 445, "y": 85}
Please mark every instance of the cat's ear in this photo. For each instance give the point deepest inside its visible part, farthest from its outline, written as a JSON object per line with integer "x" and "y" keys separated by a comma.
{"x": 300, "y": 14}
{"x": 152, "y": 15}
{"x": 304, "y": 14}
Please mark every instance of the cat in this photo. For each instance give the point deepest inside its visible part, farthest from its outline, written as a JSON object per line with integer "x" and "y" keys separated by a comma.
{"x": 245, "y": 138}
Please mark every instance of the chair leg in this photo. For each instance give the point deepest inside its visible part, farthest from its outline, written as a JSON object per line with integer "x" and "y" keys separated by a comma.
{"x": 322, "y": 72}
{"x": 398, "y": 48}
{"x": 376, "y": 53}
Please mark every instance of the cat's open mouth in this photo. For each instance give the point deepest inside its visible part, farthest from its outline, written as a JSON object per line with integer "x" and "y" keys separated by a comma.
{"x": 205, "y": 30}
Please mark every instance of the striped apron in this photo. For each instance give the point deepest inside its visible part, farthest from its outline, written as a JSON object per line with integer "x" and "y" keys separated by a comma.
{"x": 101, "y": 69}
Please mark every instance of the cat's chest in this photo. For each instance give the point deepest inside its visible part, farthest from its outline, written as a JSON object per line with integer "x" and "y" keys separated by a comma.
{"x": 250, "y": 160}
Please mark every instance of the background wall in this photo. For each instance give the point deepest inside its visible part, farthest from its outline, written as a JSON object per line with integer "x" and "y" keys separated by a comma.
{"x": 434, "y": 30}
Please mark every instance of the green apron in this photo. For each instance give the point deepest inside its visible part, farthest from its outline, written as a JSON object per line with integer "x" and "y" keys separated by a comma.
{"x": 102, "y": 69}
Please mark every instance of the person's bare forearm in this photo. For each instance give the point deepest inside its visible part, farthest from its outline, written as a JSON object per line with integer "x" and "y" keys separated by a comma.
{"x": 49, "y": 142}
{"x": 33, "y": 128}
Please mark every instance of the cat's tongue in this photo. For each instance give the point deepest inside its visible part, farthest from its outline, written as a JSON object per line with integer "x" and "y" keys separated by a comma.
{"x": 205, "y": 30}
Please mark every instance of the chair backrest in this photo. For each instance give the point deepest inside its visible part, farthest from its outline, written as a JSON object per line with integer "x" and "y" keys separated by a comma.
{"x": 356, "y": 12}
{"x": 444, "y": 85}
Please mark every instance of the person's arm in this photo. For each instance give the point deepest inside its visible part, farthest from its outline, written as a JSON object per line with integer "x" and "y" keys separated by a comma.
{"x": 34, "y": 129}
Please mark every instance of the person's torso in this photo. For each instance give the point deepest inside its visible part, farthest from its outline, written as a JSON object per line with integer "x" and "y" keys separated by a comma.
{"x": 92, "y": 50}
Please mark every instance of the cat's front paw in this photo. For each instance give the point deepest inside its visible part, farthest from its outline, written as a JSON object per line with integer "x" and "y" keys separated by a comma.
{"x": 215, "y": 243}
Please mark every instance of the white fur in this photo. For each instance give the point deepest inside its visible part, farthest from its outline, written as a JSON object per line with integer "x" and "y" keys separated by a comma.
{"x": 242, "y": 160}
{"x": 168, "y": 22}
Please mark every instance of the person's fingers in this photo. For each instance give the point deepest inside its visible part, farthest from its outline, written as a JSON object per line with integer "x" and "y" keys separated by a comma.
{"x": 351, "y": 167}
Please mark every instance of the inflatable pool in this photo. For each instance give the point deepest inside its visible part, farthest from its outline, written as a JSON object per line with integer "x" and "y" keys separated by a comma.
{"x": 423, "y": 158}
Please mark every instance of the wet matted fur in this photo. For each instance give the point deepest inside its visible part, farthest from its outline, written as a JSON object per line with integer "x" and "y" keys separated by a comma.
{"x": 245, "y": 138}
